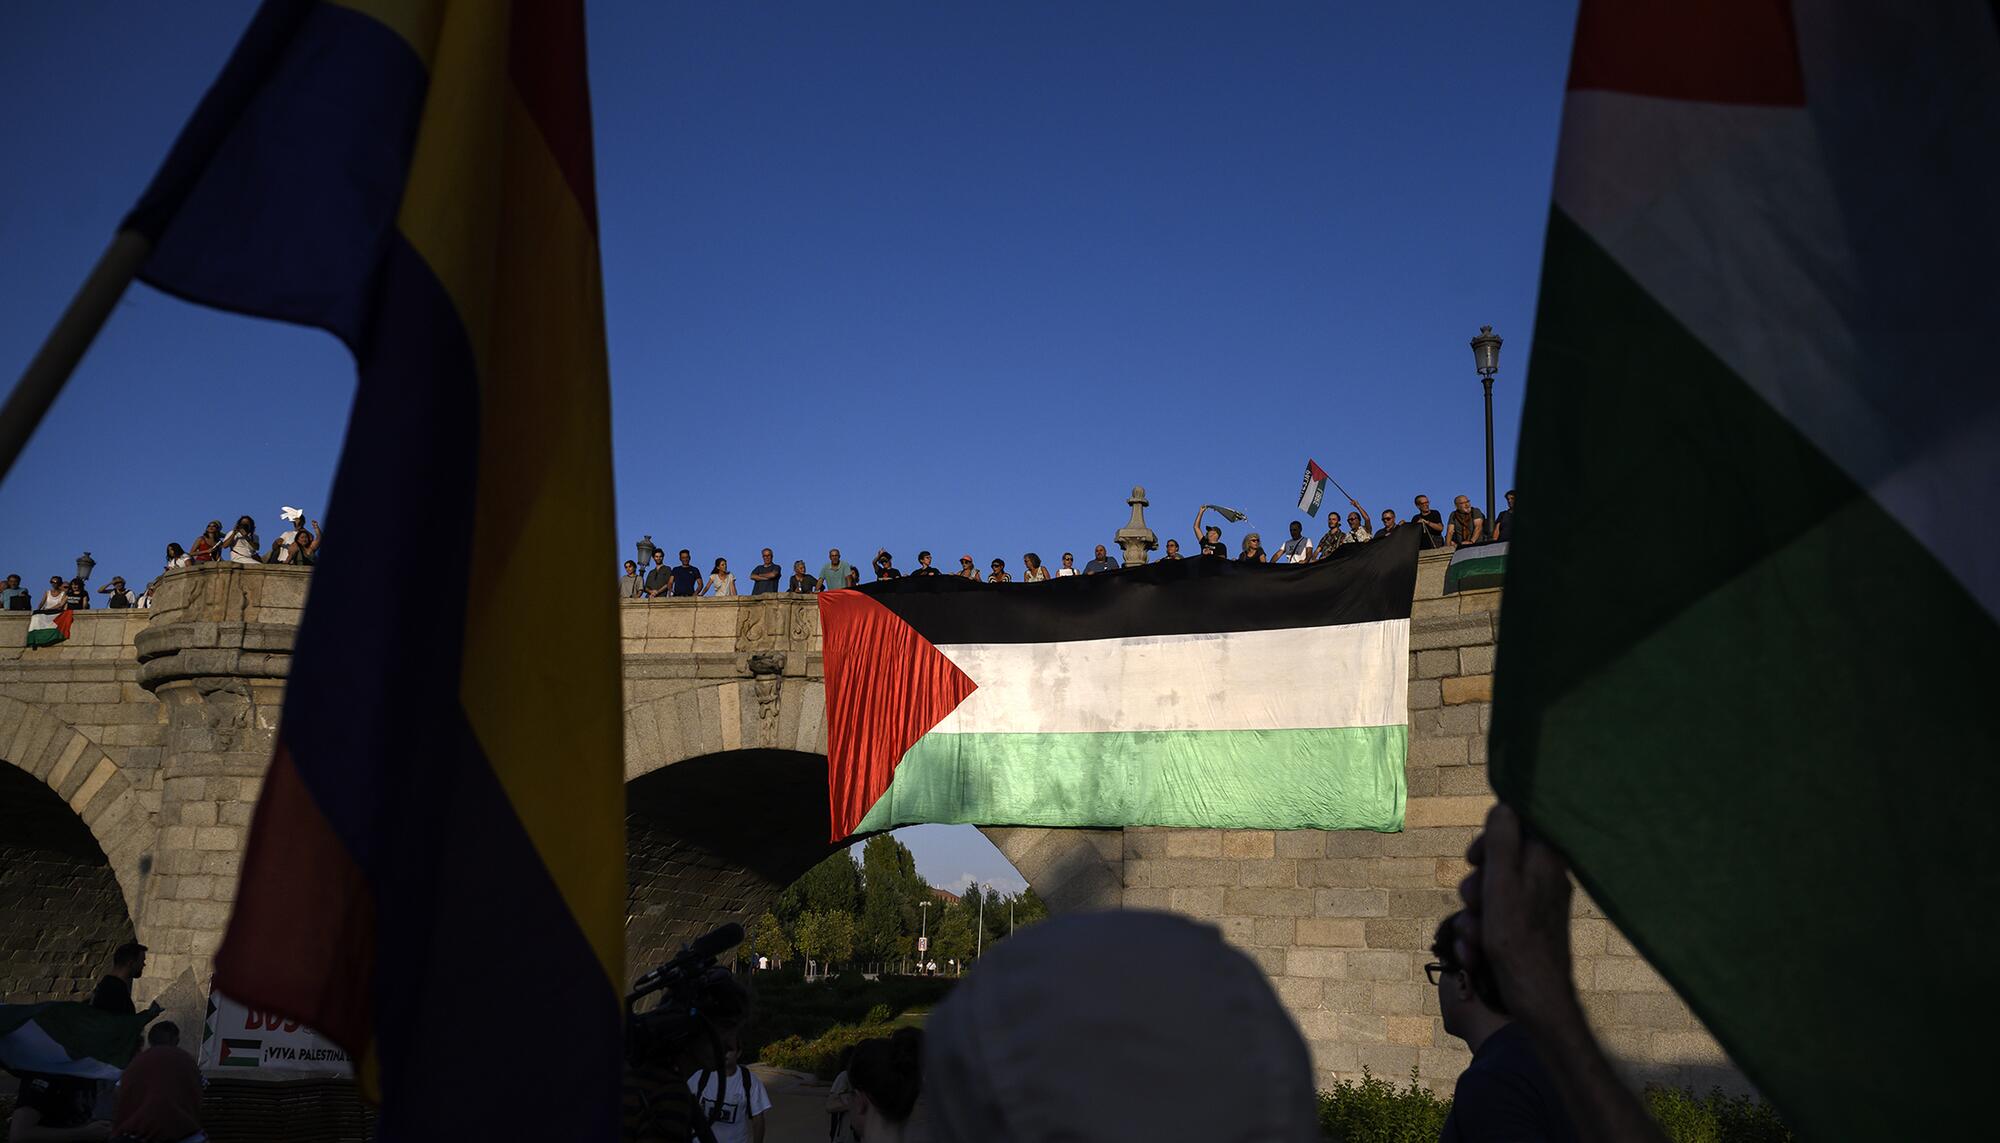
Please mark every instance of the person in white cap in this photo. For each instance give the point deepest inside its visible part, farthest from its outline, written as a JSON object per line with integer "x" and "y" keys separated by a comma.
{"x": 1115, "y": 1026}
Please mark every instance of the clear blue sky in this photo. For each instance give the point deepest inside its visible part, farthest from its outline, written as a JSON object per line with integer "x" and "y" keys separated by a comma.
{"x": 889, "y": 274}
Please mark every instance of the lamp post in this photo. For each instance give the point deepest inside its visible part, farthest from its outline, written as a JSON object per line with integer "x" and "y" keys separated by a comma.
{"x": 84, "y": 564}
{"x": 1486, "y": 359}
{"x": 923, "y": 935}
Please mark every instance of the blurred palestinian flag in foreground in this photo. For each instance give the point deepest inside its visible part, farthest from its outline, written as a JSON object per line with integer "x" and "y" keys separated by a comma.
{"x": 1197, "y": 692}
{"x": 67, "y": 1038}
{"x": 1768, "y": 297}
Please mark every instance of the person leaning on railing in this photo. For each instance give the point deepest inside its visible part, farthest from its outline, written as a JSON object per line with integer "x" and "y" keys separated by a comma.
{"x": 1468, "y": 524}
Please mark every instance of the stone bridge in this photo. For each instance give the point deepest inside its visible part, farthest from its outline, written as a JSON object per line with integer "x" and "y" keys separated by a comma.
{"x": 131, "y": 756}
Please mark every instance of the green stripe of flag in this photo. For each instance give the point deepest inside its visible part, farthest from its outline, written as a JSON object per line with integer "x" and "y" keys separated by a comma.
{"x": 1478, "y": 572}
{"x": 1767, "y": 757}
{"x": 1336, "y": 778}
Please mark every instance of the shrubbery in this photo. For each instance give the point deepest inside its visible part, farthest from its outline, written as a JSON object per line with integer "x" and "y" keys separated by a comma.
{"x": 1376, "y": 1111}
{"x": 1715, "y": 1117}
{"x": 787, "y": 1008}
{"x": 821, "y": 1055}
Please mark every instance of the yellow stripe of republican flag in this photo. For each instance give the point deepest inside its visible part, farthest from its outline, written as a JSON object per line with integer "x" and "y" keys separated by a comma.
{"x": 490, "y": 212}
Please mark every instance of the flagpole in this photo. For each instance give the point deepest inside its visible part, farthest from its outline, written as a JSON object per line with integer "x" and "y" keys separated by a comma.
{"x": 67, "y": 342}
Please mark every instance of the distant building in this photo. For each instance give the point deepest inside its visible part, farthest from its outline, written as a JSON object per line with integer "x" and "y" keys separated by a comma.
{"x": 943, "y": 895}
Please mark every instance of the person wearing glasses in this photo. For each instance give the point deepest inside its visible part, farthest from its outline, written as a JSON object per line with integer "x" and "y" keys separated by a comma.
{"x": 764, "y": 577}
{"x": 1507, "y": 1093}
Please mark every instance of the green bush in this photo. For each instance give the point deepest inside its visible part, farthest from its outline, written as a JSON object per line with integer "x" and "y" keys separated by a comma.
{"x": 1714, "y": 1118}
{"x": 821, "y": 1055}
{"x": 1376, "y": 1111}
{"x": 783, "y": 1005}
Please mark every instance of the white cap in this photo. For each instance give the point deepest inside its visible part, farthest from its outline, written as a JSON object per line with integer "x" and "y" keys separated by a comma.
{"x": 1114, "y": 1026}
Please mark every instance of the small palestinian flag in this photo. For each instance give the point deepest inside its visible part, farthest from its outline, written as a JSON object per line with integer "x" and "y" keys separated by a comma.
{"x": 67, "y": 1038}
{"x": 240, "y": 1054}
{"x": 1201, "y": 693}
{"x": 1314, "y": 489}
{"x": 1475, "y": 566}
{"x": 45, "y": 628}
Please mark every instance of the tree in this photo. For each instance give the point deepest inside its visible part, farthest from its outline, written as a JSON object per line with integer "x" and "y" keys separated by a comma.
{"x": 952, "y": 935}
{"x": 1006, "y": 914}
{"x": 832, "y": 886}
{"x": 1029, "y": 908}
{"x": 890, "y": 891}
{"x": 826, "y": 936}
{"x": 767, "y": 938}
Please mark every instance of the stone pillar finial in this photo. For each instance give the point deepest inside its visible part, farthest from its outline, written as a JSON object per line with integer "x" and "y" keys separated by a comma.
{"x": 1135, "y": 537}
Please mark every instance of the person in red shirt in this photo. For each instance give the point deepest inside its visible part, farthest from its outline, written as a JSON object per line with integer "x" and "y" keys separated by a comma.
{"x": 159, "y": 1096}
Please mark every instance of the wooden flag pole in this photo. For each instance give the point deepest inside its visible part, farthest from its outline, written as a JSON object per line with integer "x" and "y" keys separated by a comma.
{"x": 66, "y": 344}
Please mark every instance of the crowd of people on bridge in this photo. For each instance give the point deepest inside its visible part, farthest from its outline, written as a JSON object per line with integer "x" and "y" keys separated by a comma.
{"x": 300, "y": 544}
{"x": 684, "y": 579}
{"x": 297, "y": 544}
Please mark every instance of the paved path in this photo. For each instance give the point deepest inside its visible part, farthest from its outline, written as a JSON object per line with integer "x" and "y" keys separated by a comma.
{"x": 798, "y": 1106}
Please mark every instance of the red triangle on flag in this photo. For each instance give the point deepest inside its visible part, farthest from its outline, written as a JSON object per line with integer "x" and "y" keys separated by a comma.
{"x": 886, "y": 687}
{"x": 1704, "y": 51}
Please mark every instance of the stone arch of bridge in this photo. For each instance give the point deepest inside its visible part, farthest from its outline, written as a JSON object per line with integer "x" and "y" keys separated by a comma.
{"x": 726, "y": 806}
{"x": 83, "y": 779}
{"x": 64, "y": 904}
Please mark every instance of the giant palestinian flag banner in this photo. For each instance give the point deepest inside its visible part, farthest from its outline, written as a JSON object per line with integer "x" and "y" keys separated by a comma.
{"x": 1764, "y": 739}
{"x": 1198, "y": 692}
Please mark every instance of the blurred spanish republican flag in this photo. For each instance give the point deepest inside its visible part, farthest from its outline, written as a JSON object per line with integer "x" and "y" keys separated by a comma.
{"x": 435, "y": 875}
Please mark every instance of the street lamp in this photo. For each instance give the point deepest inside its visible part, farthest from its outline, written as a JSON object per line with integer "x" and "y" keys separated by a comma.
{"x": 84, "y": 564}
{"x": 923, "y": 935}
{"x": 1486, "y": 359}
